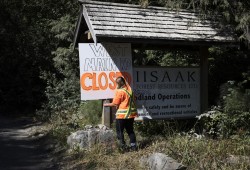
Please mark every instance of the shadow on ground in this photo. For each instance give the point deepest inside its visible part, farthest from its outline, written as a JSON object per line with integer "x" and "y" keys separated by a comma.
{"x": 19, "y": 150}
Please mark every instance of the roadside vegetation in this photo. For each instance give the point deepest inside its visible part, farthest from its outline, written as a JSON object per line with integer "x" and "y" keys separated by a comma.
{"x": 40, "y": 75}
{"x": 204, "y": 153}
{"x": 217, "y": 139}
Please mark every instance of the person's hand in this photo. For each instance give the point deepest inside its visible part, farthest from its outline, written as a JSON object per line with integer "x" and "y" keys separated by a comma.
{"x": 106, "y": 104}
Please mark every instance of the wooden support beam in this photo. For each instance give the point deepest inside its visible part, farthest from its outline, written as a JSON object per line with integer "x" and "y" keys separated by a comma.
{"x": 204, "y": 78}
{"x": 106, "y": 114}
{"x": 89, "y": 36}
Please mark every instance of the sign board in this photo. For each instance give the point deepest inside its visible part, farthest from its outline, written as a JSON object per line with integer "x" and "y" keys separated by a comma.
{"x": 160, "y": 92}
{"x": 100, "y": 65}
{"x": 167, "y": 92}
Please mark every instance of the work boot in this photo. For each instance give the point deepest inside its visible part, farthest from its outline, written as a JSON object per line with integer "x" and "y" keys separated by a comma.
{"x": 133, "y": 147}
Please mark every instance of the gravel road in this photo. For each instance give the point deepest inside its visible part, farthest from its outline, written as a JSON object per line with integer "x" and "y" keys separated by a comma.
{"x": 19, "y": 150}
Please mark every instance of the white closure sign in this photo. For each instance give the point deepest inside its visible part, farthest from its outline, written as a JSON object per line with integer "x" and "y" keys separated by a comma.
{"x": 100, "y": 65}
{"x": 167, "y": 92}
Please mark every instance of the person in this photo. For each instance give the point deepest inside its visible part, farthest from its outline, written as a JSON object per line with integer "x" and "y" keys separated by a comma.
{"x": 126, "y": 112}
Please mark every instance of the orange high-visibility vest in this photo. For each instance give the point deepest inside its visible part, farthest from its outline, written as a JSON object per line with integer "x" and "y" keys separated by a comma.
{"x": 130, "y": 111}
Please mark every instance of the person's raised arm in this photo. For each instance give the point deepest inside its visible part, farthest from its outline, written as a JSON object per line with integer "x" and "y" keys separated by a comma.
{"x": 110, "y": 104}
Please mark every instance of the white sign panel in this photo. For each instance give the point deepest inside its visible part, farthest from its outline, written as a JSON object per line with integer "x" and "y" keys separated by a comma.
{"x": 167, "y": 92}
{"x": 100, "y": 65}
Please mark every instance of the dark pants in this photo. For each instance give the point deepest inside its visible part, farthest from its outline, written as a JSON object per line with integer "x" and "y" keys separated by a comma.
{"x": 127, "y": 124}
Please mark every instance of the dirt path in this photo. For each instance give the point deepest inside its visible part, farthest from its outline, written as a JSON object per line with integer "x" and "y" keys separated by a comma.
{"x": 22, "y": 150}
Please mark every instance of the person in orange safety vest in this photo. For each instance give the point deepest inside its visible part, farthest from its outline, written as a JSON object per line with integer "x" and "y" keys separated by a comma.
{"x": 126, "y": 112}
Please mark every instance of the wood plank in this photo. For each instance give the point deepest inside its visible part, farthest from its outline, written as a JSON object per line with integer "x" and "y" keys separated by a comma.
{"x": 160, "y": 18}
{"x": 88, "y": 21}
{"x": 147, "y": 21}
{"x": 137, "y": 26}
{"x": 145, "y": 25}
{"x": 154, "y": 30}
{"x": 163, "y": 13}
{"x": 204, "y": 78}
{"x": 174, "y": 36}
{"x": 132, "y": 21}
{"x": 106, "y": 114}
{"x": 133, "y": 7}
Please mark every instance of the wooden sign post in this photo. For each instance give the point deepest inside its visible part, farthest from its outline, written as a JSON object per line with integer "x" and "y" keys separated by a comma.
{"x": 106, "y": 114}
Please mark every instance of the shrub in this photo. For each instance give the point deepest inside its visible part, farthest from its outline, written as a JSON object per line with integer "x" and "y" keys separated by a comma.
{"x": 233, "y": 117}
{"x": 216, "y": 123}
{"x": 164, "y": 128}
{"x": 90, "y": 112}
{"x": 237, "y": 100}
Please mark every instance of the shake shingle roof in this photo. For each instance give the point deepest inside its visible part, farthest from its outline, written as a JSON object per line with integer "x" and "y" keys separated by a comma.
{"x": 114, "y": 22}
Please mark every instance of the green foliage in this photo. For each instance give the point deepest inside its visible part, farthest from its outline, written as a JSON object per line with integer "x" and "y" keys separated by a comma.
{"x": 205, "y": 153}
{"x": 225, "y": 64}
{"x": 180, "y": 58}
{"x": 163, "y": 128}
{"x": 238, "y": 96}
{"x": 91, "y": 112}
{"x": 194, "y": 153}
{"x": 216, "y": 124}
{"x": 233, "y": 118}
{"x": 166, "y": 58}
{"x": 21, "y": 89}
{"x": 26, "y": 45}
{"x": 60, "y": 133}
{"x": 234, "y": 13}
{"x": 143, "y": 57}
{"x": 62, "y": 91}
{"x": 236, "y": 101}
{"x": 37, "y": 54}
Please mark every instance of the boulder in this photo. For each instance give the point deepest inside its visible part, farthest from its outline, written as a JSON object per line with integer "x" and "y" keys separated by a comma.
{"x": 160, "y": 161}
{"x": 90, "y": 136}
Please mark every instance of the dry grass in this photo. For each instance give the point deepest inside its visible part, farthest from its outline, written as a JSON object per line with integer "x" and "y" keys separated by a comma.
{"x": 193, "y": 153}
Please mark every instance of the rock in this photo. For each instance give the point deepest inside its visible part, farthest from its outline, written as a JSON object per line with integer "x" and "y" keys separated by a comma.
{"x": 160, "y": 161}
{"x": 103, "y": 127}
{"x": 88, "y": 127}
{"x": 91, "y": 136}
{"x": 41, "y": 135}
{"x": 105, "y": 136}
{"x": 78, "y": 139}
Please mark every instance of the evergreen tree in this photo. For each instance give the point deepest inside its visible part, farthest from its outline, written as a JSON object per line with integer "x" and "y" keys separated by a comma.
{"x": 39, "y": 66}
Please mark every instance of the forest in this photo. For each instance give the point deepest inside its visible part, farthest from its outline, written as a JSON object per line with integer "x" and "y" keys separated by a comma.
{"x": 39, "y": 68}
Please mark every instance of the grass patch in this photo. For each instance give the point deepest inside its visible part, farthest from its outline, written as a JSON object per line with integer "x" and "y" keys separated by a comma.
{"x": 192, "y": 152}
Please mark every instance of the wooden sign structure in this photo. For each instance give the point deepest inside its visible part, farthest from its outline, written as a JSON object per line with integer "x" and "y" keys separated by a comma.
{"x": 100, "y": 64}
{"x": 152, "y": 28}
{"x": 167, "y": 92}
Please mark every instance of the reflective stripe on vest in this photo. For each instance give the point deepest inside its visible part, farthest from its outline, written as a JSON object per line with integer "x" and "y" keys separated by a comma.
{"x": 130, "y": 112}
